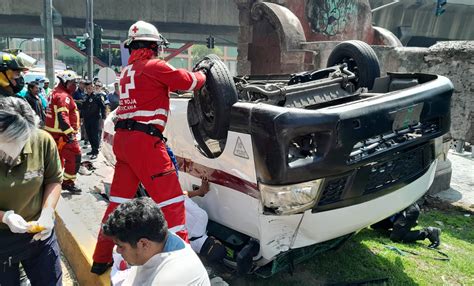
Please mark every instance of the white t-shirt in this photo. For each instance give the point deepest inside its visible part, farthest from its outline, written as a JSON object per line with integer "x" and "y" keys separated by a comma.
{"x": 176, "y": 265}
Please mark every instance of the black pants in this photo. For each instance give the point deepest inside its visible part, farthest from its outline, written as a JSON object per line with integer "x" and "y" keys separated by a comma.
{"x": 93, "y": 133}
{"x": 401, "y": 225}
{"x": 40, "y": 259}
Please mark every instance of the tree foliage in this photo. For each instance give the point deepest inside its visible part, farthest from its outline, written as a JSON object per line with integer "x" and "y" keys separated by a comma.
{"x": 200, "y": 51}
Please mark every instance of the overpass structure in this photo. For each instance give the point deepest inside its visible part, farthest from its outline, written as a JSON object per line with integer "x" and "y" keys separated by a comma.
{"x": 193, "y": 21}
{"x": 177, "y": 20}
{"x": 415, "y": 24}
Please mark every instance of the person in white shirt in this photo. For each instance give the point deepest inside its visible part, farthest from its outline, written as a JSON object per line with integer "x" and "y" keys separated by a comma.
{"x": 157, "y": 256}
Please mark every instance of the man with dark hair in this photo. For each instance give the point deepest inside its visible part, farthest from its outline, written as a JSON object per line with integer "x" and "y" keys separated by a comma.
{"x": 80, "y": 91}
{"x": 93, "y": 110}
{"x": 157, "y": 256}
{"x": 46, "y": 88}
{"x": 33, "y": 98}
{"x": 114, "y": 97}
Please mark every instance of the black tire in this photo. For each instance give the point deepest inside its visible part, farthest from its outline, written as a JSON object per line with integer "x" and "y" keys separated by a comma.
{"x": 216, "y": 100}
{"x": 361, "y": 60}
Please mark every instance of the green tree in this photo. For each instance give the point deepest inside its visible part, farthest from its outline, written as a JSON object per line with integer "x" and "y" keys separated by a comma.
{"x": 115, "y": 55}
{"x": 200, "y": 51}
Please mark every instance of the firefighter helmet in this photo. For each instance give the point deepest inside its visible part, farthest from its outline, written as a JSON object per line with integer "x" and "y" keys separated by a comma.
{"x": 143, "y": 31}
{"x": 9, "y": 62}
{"x": 67, "y": 75}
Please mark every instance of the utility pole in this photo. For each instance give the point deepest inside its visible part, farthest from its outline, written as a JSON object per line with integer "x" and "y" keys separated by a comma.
{"x": 49, "y": 39}
{"x": 90, "y": 39}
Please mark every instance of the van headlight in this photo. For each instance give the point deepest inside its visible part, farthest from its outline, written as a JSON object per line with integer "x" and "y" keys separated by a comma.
{"x": 290, "y": 199}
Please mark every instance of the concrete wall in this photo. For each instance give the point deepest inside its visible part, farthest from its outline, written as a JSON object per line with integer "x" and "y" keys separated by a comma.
{"x": 454, "y": 60}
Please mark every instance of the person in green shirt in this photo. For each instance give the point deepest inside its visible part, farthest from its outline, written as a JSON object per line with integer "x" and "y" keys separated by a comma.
{"x": 30, "y": 186}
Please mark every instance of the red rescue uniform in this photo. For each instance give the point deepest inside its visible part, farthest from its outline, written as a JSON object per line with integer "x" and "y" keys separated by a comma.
{"x": 144, "y": 97}
{"x": 62, "y": 122}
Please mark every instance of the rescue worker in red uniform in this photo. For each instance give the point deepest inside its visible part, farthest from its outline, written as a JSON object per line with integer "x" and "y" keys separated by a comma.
{"x": 139, "y": 145}
{"x": 62, "y": 122}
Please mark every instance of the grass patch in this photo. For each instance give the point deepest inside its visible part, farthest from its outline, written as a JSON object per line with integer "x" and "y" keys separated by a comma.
{"x": 366, "y": 257}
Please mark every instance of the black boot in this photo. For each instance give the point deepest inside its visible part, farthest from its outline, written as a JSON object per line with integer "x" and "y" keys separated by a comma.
{"x": 245, "y": 257}
{"x": 71, "y": 188}
{"x": 433, "y": 234}
{"x": 213, "y": 250}
{"x": 100, "y": 268}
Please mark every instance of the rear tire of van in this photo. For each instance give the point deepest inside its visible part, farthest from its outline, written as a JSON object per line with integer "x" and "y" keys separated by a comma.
{"x": 361, "y": 60}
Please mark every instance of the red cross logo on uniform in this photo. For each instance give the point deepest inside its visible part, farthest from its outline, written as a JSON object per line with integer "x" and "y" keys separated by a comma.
{"x": 127, "y": 81}
{"x": 135, "y": 29}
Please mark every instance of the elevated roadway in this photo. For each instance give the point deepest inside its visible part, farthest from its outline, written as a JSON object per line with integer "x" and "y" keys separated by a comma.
{"x": 178, "y": 20}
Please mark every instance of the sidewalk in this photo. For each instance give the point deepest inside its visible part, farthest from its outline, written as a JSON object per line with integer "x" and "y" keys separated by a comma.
{"x": 79, "y": 218}
{"x": 461, "y": 192}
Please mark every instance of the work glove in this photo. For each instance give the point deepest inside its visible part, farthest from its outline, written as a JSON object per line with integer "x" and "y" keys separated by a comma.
{"x": 45, "y": 221}
{"x": 204, "y": 66}
{"x": 15, "y": 222}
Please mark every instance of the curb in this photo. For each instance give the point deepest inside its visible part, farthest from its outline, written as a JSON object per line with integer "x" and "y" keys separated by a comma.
{"x": 78, "y": 245}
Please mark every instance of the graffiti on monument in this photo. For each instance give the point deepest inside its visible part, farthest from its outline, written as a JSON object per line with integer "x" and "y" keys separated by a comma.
{"x": 330, "y": 17}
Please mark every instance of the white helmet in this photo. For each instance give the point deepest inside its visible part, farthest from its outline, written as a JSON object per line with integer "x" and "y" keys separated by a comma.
{"x": 66, "y": 75}
{"x": 143, "y": 31}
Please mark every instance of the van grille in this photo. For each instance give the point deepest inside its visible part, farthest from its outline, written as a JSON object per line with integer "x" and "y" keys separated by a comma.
{"x": 390, "y": 172}
{"x": 383, "y": 142}
{"x": 333, "y": 191}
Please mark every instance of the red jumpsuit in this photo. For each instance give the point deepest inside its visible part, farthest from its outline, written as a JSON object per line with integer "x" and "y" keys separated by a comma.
{"x": 144, "y": 97}
{"x": 62, "y": 122}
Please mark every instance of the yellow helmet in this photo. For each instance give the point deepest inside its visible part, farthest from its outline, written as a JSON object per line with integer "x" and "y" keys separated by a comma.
{"x": 11, "y": 62}
{"x": 67, "y": 75}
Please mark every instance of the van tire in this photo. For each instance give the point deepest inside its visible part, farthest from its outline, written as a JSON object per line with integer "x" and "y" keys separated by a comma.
{"x": 216, "y": 99}
{"x": 361, "y": 60}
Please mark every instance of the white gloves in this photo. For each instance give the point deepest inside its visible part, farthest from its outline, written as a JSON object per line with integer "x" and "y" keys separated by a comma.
{"x": 15, "y": 222}
{"x": 45, "y": 220}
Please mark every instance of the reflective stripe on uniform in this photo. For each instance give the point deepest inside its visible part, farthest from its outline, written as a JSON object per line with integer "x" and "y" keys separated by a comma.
{"x": 194, "y": 83}
{"x": 171, "y": 201}
{"x": 69, "y": 176}
{"x": 156, "y": 121}
{"x": 118, "y": 200}
{"x": 69, "y": 130}
{"x": 61, "y": 109}
{"x": 170, "y": 66}
{"x": 57, "y": 130}
{"x": 177, "y": 228}
{"x": 144, "y": 113}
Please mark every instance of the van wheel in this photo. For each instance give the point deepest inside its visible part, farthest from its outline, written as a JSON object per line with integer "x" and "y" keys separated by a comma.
{"x": 360, "y": 59}
{"x": 216, "y": 98}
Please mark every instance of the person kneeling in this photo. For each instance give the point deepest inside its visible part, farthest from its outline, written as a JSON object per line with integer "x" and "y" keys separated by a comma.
{"x": 157, "y": 256}
{"x": 402, "y": 223}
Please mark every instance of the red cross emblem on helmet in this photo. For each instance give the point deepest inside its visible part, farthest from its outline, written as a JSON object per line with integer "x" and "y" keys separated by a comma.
{"x": 142, "y": 31}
